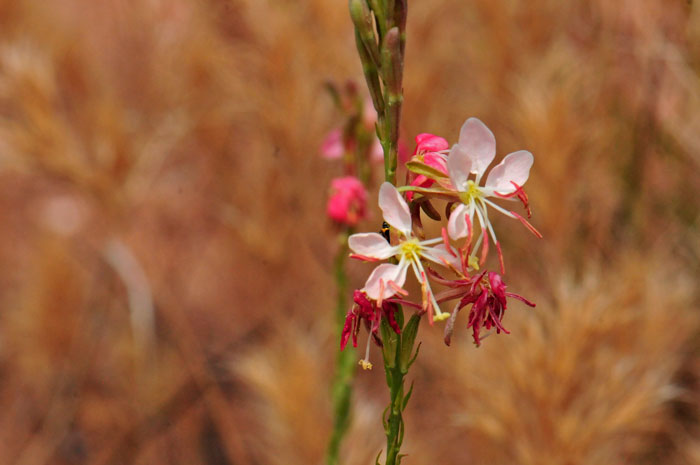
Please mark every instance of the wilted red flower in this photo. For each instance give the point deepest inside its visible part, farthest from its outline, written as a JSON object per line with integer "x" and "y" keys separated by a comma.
{"x": 371, "y": 312}
{"x": 486, "y": 292}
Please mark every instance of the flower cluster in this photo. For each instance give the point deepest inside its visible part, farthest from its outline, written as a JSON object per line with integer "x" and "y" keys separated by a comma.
{"x": 438, "y": 173}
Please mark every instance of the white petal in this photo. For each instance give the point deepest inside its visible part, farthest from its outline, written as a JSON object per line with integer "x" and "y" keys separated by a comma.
{"x": 514, "y": 167}
{"x": 459, "y": 165}
{"x": 394, "y": 208}
{"x": 370, "y": 245}
{"x": 457, "y": 226}
{"x": 479, "y": 143}
{"x": 440, "y": 251}
{"x": 386, "y": 272}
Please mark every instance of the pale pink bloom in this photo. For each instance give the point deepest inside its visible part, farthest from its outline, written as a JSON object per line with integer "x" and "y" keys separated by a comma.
{"x": 471, "y": 156}
{"x": 332, "y": 147}
{"x": 347, "y": 203}
{"x": 388, "y": 279}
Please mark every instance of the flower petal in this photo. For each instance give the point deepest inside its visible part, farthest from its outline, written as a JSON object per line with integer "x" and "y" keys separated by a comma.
{"x": 426, "y": 142}
{"x": 479, "y": 143}
{"x": 371, "y": 245}
{"x": 386, "y": 272}
{"x": 439, "y": 252}
{"x": 515, "y": 167}
{"x": 394, "y": 208}
{"x": 436, "y": 160}
{"x": 459, "y": 165}
{"x": 457, "y": 225}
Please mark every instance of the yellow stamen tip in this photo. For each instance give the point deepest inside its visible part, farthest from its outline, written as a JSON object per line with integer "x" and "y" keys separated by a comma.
{"x": 365, "y": 364}
{"x": 441, "y": 317}
{"x": 473, "y": 263}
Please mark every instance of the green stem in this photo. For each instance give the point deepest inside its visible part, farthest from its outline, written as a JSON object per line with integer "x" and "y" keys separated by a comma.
{"x": 341, "y": 390}
{"x": 394, "y": 426}
{"x": 398, "y": 358}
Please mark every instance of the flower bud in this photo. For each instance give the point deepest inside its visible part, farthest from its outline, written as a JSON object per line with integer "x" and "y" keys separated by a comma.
{"x": 347, "y": 203}
{"x": 332, "y": 147}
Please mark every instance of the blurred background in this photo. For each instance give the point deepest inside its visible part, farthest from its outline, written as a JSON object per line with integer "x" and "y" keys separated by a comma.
{"x": 166, "y": 294}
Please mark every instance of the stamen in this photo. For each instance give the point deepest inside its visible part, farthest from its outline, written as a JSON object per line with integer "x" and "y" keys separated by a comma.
{"x": 527, "y": 225}
{"x": 446, "y": 241}
{"x": 364, "y": 257}
{"x": 365, "y": 363}
{"x": 381, "y": 293}
{"x": 484, "y": 251}
{"x": 429, "y": 302}
{"x": 398, "y": 289}
{"x": 500, "y": 258}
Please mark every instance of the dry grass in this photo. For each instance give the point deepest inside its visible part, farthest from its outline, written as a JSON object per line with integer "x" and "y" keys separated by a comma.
{"x": 165, "y": 285}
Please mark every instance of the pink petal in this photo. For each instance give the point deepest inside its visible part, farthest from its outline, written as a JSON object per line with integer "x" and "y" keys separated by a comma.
{"x": 459, "y": 165}
{"x": 436, "y": 160}
{"x": 479, "y": 143}
{"x": 370, "y": 245}
{"x": 439, "y": 252}
{"x": 394, "y": 208}
{"x": 426, "y": 142}
{"x": 385, "y": 272}
{"x": 457, "y": 225}
{"x": 514, "y": 167}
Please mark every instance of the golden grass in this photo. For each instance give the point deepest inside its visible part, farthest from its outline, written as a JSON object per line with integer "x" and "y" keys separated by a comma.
{"x": 165, "y": 288}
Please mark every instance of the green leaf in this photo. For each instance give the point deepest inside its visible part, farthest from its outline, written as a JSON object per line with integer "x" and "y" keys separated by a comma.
{"x": 414, "y": 357}
{"x": 421, "y": 168}
{"x": 407, "y": 397}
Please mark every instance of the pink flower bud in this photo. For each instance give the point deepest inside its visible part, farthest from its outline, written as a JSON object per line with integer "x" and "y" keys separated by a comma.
{"x": 332, "y": 146}
{"x": 347, "y": 203}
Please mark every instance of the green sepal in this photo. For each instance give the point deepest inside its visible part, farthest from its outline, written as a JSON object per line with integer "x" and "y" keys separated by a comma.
{"x": 376, "y": 461}
{"x": 390, "y": 343}
{"x": 426, "y": 170}
{"x": 407, "y": 340}
{"x": 398, "y": 316}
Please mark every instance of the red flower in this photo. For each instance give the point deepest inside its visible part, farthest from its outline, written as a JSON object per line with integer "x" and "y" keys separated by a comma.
{"x": 486, "y": 292}
{"x": 369, "y": 311}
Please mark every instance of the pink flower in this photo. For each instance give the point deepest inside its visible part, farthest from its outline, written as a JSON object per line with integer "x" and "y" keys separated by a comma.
{"x": 347, "y": 203}
{"x": 332, "y": 147}
{"x": 388, "y": 279}
{"x": 472, "y": 155}
{"x": 429, "y": 150}
{"x": 371, "y": 313}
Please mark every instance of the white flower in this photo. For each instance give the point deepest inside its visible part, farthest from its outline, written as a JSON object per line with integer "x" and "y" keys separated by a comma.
{"x": 472, "y": 155}
{"x": 388, "y": 279}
